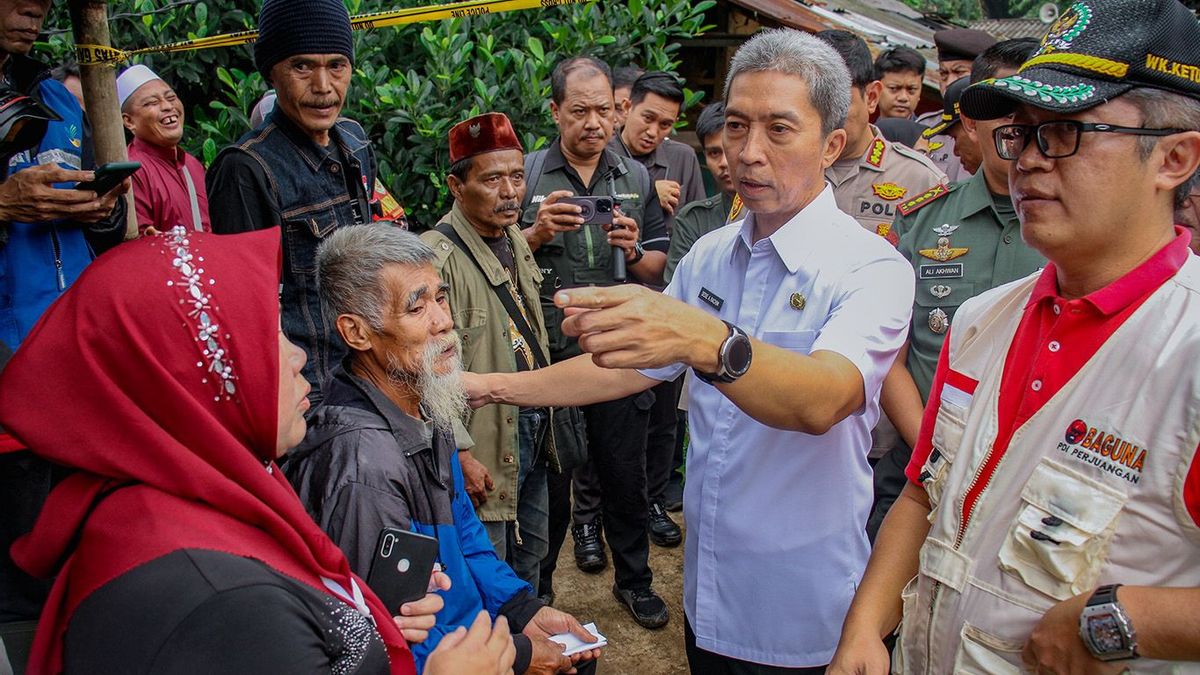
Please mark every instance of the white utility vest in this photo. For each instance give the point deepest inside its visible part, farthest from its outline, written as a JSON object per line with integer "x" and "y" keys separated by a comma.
{"x": 1097, "y": 474}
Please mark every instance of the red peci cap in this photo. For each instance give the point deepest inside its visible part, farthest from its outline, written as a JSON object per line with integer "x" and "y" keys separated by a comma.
{"x": 488, "y": 132}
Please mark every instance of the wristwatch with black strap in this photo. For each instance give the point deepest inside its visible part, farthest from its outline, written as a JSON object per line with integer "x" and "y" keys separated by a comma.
{"x": 1105, "y": 627}
{"x": 638, "y": 253}
{"x": 733, "y": 358}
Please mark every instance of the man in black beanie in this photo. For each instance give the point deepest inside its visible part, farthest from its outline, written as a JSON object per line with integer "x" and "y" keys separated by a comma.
{"x": 304, "y": 168}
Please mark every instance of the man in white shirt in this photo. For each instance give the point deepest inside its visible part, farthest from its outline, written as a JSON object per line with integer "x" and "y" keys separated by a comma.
{"x": 794, "y": 314}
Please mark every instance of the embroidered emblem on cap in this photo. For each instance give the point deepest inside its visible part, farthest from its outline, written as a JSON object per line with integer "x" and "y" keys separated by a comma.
{"x": 1047, "y": 92}
{"x": 205, "y": 330}
{"x": 474, "y": 130}
{"x": 1066, "y": 28}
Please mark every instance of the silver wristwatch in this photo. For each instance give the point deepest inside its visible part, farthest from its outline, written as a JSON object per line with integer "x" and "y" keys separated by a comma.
{"x": 1105, "y": 627}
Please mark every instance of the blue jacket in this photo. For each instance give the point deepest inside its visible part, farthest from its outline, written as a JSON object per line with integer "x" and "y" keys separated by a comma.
{"x": 366, "y": 465}
{"x": 41, "y": 260}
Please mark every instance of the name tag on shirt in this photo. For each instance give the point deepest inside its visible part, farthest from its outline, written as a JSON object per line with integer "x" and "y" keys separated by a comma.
{"x": 715, "y": 301}
{"x": 944, "y": 271}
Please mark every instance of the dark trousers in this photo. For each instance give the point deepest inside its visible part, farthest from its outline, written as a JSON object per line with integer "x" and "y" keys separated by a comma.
{"x": 559, "y": 488}
{"x": 702, "y": 662}
{"x": 616, "y": 433}
{"x": 889, "y": 483}
{"x": 661, "y": 438}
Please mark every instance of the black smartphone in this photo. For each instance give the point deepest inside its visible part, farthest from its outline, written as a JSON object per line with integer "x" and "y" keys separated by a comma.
{"x": 401, "y": 567}
{"x": 593, "y": 210}
{"x": 109, "y": 176}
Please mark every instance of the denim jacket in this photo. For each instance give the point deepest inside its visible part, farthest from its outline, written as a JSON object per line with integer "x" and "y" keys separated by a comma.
{"x": 277, "y": 176}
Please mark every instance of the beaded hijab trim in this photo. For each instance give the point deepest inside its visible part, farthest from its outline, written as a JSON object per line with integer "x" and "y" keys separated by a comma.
{"x": 216, "y": 362}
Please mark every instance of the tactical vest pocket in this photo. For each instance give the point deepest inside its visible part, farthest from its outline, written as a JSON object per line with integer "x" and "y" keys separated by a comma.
{"x": 1060, "y": 538}
{"x": 909, "y": 622}
{"x": 980, "y": 653}
{"x": 948, "y": 431}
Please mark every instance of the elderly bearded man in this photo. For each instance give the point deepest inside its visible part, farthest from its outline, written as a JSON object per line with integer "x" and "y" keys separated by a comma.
{"x": 494, "y": 300}
{"x": 380, "y": 452}
{"x": 791, "y": 316}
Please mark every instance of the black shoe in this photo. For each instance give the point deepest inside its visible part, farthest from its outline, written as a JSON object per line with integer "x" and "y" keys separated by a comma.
{"x": 673, "y": 497}
{"x": 589, "y": 550}
{"x": 663, "y": 531}
{"x": 647, "y": 608}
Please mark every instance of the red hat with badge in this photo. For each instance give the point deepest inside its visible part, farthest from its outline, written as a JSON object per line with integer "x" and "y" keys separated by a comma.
{"x": 489, "y": 132}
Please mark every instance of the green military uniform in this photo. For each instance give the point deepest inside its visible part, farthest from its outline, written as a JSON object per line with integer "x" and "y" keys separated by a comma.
{"x": 961, "y": 241}
{"x": 489, "y": 344}
{"x": 694, "y": 221}
{"x": 869, "y": 187}
{"x": 584, "y": 257}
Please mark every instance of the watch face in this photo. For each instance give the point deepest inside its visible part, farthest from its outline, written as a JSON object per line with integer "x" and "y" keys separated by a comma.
{"x": 1106, "y": 632}
{"x": 739, "y": 355}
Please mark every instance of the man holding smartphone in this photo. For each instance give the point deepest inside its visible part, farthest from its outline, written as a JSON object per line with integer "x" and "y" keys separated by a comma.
{"x": 48, "y": 231}
{"x": 573, "y": 253}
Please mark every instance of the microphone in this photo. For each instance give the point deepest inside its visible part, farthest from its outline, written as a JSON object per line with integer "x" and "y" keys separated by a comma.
{"x": 619, "y": 273}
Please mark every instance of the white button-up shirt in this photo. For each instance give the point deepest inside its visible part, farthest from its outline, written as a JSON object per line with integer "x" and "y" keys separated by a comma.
{"x": 776, "y": 543}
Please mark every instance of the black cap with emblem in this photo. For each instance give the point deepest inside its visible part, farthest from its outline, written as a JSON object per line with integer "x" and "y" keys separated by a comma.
{"x": 961, "y": 43}
{"x": 1095, "y": 51}
{"x": 950, "y": 107}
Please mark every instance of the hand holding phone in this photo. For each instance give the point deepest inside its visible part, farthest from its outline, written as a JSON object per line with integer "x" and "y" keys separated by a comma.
{"x": 109, "y": 176}
{"x": 402, "y": 566}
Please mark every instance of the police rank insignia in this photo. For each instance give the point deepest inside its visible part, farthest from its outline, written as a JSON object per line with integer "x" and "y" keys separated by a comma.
{"x": 935, "y": 192}
{"x": 940, "y": 291}
{"x": 938, "y": 321}
{"x": 935, "y": 145}
{"x": 735, "y": 211}
{"x": 798, "y": 301}
{"x": 888, "y": 191}
{"x": 875, "y": 155}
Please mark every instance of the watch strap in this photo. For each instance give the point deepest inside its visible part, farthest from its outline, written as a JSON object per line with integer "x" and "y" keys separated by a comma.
{"x": 1103, "y": 595}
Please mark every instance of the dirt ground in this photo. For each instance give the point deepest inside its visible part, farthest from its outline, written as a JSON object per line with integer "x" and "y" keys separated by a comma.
{"x": 632, "y": 650}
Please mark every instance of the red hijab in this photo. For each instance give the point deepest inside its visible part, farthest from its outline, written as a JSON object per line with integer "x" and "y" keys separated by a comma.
{"x": 156, "y": 377}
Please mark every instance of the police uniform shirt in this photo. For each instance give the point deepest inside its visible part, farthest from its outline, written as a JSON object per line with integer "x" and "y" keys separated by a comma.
{"x": 869, "y": 187}
{"x": 961, "y": 240}
{"x": 941, "y": 150}
{"x": 671, "y": 160}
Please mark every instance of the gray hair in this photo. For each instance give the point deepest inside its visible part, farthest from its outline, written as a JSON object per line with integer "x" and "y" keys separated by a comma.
{"x": 350, "y": 261}
{"x": 797, "y": 53}
{"x": 1165, "y": 110}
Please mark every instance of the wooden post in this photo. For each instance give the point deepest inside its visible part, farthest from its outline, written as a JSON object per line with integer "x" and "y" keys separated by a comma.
{"x": 89, "y": 18}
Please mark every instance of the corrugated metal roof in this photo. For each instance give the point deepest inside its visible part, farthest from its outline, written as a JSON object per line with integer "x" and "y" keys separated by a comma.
{"x": 789, "y": 13}
{"x": 1007, "y": 29}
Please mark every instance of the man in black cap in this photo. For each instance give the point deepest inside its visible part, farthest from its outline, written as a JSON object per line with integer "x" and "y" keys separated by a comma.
{"x": 304, "y": 169}
{"x": 1057, "y": 457}
{"x": 956, "y": 49}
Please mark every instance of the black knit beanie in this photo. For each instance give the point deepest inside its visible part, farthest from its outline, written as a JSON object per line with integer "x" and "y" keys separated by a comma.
{"x": 290, "y": 27}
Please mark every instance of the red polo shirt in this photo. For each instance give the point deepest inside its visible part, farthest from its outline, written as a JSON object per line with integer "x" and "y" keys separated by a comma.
{"x": 1055, "y": 338}
{"x": 160, "y": 193}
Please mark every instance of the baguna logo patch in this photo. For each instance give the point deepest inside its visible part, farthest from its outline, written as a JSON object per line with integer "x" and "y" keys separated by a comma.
{"x": 1104, "y": 450}
{"x": 1066, "y": 28}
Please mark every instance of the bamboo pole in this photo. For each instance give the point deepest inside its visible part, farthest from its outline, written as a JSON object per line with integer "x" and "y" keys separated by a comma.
{"x": 89, "y": 19}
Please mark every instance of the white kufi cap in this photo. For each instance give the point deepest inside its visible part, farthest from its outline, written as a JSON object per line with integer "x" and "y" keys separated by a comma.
{"x": 131, "y": 79}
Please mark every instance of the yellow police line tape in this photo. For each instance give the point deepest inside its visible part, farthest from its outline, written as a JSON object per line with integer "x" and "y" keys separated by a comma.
{"x": 97, "y": 54}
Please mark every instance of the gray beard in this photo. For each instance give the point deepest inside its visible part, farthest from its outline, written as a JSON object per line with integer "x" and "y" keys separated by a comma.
{"x": 443, "y": 397}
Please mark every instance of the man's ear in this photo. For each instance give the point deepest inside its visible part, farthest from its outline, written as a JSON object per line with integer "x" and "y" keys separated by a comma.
{"x": 626, "y": 106}
{"x": 871, "y": 96}
{"x": 1180, "y": 159}
{"x": 554, "y": 111}
{"x": 970, "y": 126}
{"x": 127, "y": 120}
{"x": 835, "y": 143}
{"x": 354, "y": 331}
{"x": 455, "y": 185}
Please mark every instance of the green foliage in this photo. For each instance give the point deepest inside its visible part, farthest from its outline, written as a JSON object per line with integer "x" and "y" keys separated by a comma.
{"x": 411, "y": 84}
{"x": 958, "y": 10}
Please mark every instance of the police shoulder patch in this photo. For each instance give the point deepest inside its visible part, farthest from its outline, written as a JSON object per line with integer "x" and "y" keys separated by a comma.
{"x": 875, "y": 154}
{"x": 735, "y": 212}
{"x": 932, "y": 194}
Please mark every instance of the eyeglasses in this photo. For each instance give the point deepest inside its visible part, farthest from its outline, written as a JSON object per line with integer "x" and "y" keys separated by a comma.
{"x": 1059, "y": 138}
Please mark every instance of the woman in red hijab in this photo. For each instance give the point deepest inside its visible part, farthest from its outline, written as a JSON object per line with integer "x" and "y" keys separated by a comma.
{"x": 163, "y": 380}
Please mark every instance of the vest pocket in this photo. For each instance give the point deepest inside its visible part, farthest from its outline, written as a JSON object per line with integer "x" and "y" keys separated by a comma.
{"x": 948, "y": 430}
{"x": 303, "y": 234}
{"x": 908, "y": 623}
{"x": 1062, "y": 532}
{"x": 981, "y": 653}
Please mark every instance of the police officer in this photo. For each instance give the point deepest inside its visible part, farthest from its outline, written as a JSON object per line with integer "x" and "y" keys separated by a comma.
{"x": 572, "y": 253}
{"x": 964, "y": 149}
{"x": 956, "y": 50}
{"x": 962, "y": 240}
{"x": 872, "y": 174}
